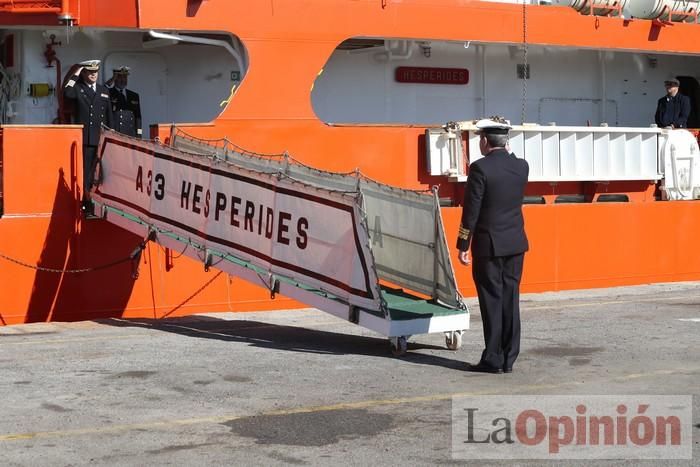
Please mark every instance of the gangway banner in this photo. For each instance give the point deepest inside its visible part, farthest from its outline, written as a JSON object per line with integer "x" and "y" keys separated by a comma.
{"x": 286, "y": 227}
{"x": 408, "y": 243}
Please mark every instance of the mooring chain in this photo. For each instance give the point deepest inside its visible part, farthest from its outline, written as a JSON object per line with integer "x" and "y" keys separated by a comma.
{"x": 135, "y": 256}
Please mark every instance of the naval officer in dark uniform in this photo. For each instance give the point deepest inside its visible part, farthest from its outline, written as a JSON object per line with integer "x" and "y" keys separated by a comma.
{"x": 673, "y": 109}
{"x": 126, "y": 104}
{"x": 492, "y": 223}
{"x": 92, "y": 109}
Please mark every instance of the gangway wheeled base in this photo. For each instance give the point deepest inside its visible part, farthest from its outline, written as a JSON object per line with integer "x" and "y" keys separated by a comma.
{"x": 403, "y": 316}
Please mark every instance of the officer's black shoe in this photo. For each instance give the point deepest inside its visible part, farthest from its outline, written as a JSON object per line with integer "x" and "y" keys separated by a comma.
{"x": 507, "y": 370}
{"x": 482, "y": 367}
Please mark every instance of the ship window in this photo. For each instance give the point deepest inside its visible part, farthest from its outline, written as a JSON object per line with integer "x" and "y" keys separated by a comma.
{"x": 691, "y": 88}
{"x": 180, "y": 77}
{"x": 425, "y": 82}
{"x": 397, "y": 81}
{"x": 613, "y": 198}
{"x": 569, "y": 199}
{"x": 533, "y": 200}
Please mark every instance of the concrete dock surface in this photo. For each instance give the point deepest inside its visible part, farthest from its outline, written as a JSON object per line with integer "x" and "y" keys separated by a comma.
{"x": 301, "y": 387}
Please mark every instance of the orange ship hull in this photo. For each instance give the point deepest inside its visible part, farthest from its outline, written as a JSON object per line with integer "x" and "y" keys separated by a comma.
{"x": 572, "y": 246}
{"x": 288, "y": 42}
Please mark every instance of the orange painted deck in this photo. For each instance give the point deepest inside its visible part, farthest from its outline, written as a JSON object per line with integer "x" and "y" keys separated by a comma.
{"x": 288, "y": 42}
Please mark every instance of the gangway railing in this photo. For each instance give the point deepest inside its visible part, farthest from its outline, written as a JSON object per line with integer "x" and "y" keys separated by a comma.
{"x": 369, "y": 253}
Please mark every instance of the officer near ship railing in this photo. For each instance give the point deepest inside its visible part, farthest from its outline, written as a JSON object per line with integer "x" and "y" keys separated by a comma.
{"x": 92, "y": 109}
{"x": 126, "y": 104}
{"x": 492, "y": 224}
{"x": 673, "y": 109}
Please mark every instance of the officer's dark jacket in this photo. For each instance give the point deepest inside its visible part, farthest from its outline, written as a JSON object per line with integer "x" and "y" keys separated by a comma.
{"x": 127, "y": 111}
{"x": 492, "y": 216}
{"x": 673, "y": 111}
{"x": 92, "y": 109}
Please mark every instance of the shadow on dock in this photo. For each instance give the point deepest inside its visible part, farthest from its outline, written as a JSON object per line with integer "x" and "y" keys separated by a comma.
{"x": 288, "y": 338}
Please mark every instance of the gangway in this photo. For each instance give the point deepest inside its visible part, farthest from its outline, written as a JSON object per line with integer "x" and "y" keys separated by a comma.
{"x": 366, "y": 252}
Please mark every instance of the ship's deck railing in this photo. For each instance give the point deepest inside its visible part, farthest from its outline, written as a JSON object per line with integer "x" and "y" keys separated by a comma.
{"x": 579, "y": 154}
{"x": 558, "y": 154}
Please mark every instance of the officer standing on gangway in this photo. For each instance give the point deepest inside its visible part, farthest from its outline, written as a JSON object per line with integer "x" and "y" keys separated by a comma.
{"x": 92, "y": 109}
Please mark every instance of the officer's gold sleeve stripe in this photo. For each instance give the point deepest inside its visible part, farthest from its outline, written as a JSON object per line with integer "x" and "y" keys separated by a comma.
{"x": 463, "y": 233}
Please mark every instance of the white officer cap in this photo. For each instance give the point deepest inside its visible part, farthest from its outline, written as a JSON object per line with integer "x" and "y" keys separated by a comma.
{"x": 672, "y": 81}
{"x": 122, "y": 70}
{"x": 493, "y": 125}
{"x": 90, "y": 65}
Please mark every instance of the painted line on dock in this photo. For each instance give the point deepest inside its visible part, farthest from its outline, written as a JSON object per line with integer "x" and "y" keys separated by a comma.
{"x": 309, "y": 323}
{"x": 166, "y": 424}
{"x": 69, "y": 341}
{"x": 608, "y": 302}
{"x": 217, "y": 332}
